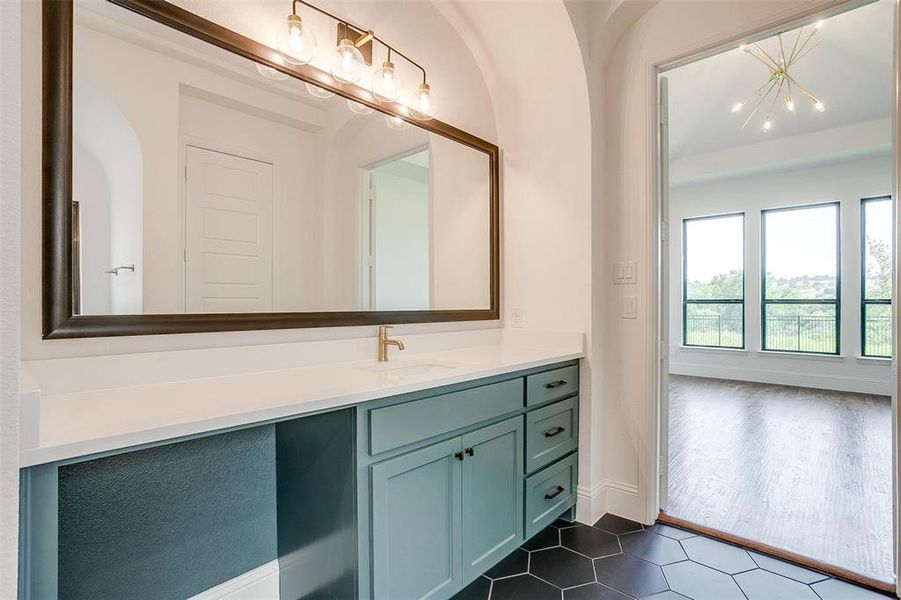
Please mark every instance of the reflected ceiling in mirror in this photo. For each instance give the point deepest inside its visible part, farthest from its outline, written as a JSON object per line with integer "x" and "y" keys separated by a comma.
{"x": 204, "y": 182}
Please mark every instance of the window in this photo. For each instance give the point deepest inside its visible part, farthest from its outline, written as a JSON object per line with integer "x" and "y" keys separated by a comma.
{"x": 713, "y": 281}
{"x": 876, "y": 234}
{"x": 801, "y": 284}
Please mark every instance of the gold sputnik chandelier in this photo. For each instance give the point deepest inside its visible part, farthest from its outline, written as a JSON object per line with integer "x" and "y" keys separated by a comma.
{"x": 780, "y": 84}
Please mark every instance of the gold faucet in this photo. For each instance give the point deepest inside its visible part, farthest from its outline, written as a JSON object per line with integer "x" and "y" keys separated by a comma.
{"x": 384, "y": 342}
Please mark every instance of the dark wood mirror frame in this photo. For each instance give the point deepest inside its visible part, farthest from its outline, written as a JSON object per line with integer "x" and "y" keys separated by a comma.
{"x": 59, "y": 320}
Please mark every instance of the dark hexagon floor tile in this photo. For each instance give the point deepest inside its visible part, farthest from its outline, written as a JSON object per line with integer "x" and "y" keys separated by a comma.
{"x": 562, "y": 524}
{"x": 593, "y": 591}
{"x": 546, "y": 538}
{"x": 701, "y": 583}
{"x": 524, "y": 587}
{"x": 763, "y": 585}
{"x": 477, "y": 590}
{"x": 589, "y": 541}
{"x": 617, "y": 525}
{"x": 833, "y": 589}
{"x": 561, "y": 567}
{"x": 652, "y": 547}
{"x": 515, "y": 563}
{"x": 670, "y": 532}
{"x": 716, "y": 554}
{"x": 630, "y": 575}
{"x": 780, "y": 567}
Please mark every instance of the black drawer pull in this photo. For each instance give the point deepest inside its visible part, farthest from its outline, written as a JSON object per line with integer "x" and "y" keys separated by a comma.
{"x": 470, "y": 451}
{"x": 458, "y": 456}
{"x": 552, "y": 495}
{"x": 556, "y": 431}
{"x": 555, "y": 384}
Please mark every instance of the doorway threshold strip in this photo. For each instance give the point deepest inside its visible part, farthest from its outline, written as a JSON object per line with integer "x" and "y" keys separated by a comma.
{"x": 799, "y": 559}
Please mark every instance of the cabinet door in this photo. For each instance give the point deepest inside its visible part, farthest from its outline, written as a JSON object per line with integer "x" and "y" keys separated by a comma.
{"x": 416, "y": 524}
{"x": 492, "y": 495}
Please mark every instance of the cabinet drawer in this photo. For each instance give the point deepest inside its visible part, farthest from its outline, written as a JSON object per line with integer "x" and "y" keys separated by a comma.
{"x": 401, "y": 424}
{"x": 549, "y": 493}
{"x": 551, "y": 385}
{"x": 551, "y": 432}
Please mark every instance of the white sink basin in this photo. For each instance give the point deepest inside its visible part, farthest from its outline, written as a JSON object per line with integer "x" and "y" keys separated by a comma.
{"x": 410, "y": 368}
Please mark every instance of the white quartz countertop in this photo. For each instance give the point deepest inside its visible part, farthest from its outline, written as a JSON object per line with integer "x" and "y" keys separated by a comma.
{"x": 80, "y": 423}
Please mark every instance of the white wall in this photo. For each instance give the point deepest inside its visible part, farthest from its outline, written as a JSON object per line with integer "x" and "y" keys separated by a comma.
{"x": 846, "y": 182}
{"x": 10, "y": 138}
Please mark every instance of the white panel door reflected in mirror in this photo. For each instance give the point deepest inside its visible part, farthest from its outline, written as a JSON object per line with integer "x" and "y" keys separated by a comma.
{"x": 230, "y": 191}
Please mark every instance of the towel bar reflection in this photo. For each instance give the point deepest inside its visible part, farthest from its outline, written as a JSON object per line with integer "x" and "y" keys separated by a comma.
{"x": 115, "y": 270}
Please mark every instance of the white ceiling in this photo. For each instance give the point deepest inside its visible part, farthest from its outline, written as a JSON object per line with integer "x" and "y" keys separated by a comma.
{"x": 850, "y": 71}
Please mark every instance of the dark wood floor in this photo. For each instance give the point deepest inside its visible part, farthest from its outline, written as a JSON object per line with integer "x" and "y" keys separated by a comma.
{"x": 804, "y": 470}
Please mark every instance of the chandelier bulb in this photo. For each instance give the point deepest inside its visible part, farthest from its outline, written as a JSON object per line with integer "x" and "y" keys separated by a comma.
{"x": 737, "y": 107}
{"x": 790, "y": 105}
{"x": 819, "y": 106}
{"x": 767, "y": 125}
{"x": 819, "y": 24}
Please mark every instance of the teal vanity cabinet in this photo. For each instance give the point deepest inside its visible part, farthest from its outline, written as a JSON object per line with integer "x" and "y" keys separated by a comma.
{"x": 452, "y": 480}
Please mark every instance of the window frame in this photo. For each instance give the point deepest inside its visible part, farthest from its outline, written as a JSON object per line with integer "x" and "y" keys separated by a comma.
{"x": 837, "y": 302}
{"x": 864, "y": 301}
{"x": 685, "y": 299}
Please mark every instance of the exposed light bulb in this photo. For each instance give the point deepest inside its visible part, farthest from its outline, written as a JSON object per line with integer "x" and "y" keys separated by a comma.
{"x": 737, "y": 107}
{"x": 296, "y": 42}
{"x": 425, "y": 105}
{"x": 347, "y": 62}
{"x": 743, "y": 47}
{"x": 270, "y": 73}
{"x": 396, "y": 123}
{"x": 767, "y": 125}
{"x": 819, "y": 106}
{"x": 318, "y": 92}
{"x": 359, "y": 108}
{"x": 790, "y": 105}
{"x": 387, "y": 84}
{"x": 819, "y": 24}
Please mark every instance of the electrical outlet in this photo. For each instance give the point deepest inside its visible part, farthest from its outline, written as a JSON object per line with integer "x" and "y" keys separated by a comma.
{"x": 630, "y": 307}
{"x": 516, "y": 316}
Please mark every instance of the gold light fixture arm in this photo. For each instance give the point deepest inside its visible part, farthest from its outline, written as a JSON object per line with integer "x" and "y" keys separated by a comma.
{"x": 362, "y": 39}
{"x": 772, "y": 82}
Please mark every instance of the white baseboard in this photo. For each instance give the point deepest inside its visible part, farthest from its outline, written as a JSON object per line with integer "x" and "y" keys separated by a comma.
{"x": 259, "y": 584}
{"x": 821, "y": 381}
{"x": 608, "y": 496}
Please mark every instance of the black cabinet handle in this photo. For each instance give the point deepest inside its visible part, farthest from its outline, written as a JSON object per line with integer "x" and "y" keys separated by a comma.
{"x": 458, "y": 456}
{"x": 470, "y": 451}
{"x": 556, "y": 431}
{"x": 555, "y": 384}
{"x": 560, "y": 490}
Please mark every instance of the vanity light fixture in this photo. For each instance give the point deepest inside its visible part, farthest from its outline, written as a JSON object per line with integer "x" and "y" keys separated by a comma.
{"x": 319, "y": 92}
{"x": 270, "y": 73}
{"x": 360, "y": 109}
{"x": 396, "y": 123}
{"x": 347, "y": 62}
{"x": 296, "y": 42}
{"x": 780, "y": 83}
{"x": 387, "y": 84}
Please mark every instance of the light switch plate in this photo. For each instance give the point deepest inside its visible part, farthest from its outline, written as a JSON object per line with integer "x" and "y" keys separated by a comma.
{"x": 625, "y": 272}
{"x": 630, "y": 307}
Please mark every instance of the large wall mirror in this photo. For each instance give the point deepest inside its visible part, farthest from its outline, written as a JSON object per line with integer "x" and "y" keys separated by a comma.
{"x": 192, "y": 183}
